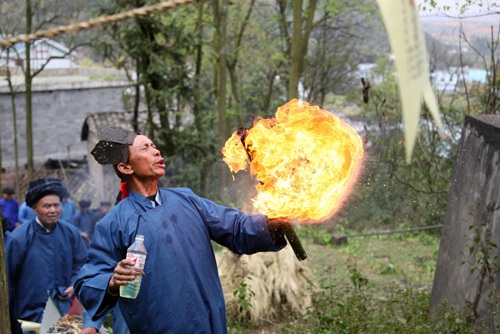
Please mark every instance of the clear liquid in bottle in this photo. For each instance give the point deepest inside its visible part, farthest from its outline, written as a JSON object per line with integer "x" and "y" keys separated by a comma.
{"x": 137, "y": 253}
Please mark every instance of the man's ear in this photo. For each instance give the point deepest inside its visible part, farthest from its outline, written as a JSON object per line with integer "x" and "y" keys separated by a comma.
{"x": 125, "y": 168}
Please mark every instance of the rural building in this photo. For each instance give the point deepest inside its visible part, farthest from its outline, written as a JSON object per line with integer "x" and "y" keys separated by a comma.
{"x": 60, "y": 106}
{"x": 43, "y": 51}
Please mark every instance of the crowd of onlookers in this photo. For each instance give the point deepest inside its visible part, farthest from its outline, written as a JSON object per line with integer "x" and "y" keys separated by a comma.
{"x": 82, "y": 217}
{"x": 181, "y": 292}
{"x": 46, "y": 243}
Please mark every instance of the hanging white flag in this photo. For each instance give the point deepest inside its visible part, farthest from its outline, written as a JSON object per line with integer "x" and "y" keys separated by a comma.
{"x": 408, "y": 45}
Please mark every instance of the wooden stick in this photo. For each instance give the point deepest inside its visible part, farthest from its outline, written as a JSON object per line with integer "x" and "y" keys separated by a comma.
{"x": 294, "y": 241}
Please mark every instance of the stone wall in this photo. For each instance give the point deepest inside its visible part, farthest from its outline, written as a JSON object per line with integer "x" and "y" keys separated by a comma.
{"x": 59, "y": 112}
{"x": 468, "y": 261}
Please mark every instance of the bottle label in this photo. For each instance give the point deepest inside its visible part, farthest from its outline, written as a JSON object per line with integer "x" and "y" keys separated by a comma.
{"x": 138, "y": 259}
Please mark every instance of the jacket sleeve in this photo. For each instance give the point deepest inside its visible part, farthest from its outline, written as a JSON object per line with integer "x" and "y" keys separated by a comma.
{"x": 14, "y": 256}
{"x": 79, "y": 255}
{"x": 92, "y": 280}
{"x": 108, "y": 247}
{"x": 241, "y": 233}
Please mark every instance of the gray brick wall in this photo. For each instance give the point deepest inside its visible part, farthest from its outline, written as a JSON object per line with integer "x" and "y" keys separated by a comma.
{"x": 59, "y": 112}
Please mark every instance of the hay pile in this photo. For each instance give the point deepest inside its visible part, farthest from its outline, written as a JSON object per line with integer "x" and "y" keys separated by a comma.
{"x": 68, "y": 324}
{"x": 281, "y": 284}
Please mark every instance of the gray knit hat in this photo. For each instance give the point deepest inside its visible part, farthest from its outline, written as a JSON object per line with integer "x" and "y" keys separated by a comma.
{"x": 43, "y": 187}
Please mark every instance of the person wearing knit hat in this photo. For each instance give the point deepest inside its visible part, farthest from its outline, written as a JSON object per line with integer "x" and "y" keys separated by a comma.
{"x": 180, "y": 290}
{"x": 43, "y": 256}
{"x": 42, "y": 187}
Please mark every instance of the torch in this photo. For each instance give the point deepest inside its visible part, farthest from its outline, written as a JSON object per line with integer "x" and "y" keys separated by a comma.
{"x": 288, "y": 228}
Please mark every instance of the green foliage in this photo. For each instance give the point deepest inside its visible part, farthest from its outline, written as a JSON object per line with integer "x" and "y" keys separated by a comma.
{"x": 108, "y": 323}
{"x": 482, "y": 259}
{"x": 355, "y": 295}
{"x": 360, "y": 308}
{"x": 180, "y": 87}
{"x": 244, "y": 297}
{"x": 317, "y": 234}
{"x": 244, "y": 294}
{"x": 389, "y": 192}
{"x": 463, "y": 7}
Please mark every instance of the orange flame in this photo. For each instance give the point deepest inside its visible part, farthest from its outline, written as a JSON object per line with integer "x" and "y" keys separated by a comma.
{"x": 305, "y": 160}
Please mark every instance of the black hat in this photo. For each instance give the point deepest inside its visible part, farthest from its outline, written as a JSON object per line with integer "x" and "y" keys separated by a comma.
{"x": 8, "y": 191}
{"x": 43, "y": 187}
{"x": 85, "y": 203}
{"x": 105, "y": 203}
{"x": 113, "y": 144}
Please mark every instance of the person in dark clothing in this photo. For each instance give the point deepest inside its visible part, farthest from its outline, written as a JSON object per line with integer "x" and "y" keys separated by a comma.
{"x": 10, "y": 207}
{"x": 84, "y": 220}
{"x": 5, "y": 225}
{"x": 68, "y": 208}
{"x": 104, "y": 208}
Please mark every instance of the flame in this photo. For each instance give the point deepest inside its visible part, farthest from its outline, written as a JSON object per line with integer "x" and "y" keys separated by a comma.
{"x": 235, "y": 154}
{"x": 305, "y": 160}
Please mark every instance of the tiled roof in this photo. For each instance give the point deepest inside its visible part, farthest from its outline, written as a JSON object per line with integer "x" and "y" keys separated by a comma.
{"x": 123, "y": 119}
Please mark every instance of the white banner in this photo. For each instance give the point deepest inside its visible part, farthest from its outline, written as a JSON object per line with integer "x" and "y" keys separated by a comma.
{"x": 408, "y": 45}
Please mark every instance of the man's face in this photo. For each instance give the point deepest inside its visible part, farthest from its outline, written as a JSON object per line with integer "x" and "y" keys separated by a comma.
{"x": 145, "y": 159}
{"x": 48, "y": 210}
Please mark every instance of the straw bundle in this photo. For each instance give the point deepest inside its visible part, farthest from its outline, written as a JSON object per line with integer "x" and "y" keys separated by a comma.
{"x": 281, "y": 284}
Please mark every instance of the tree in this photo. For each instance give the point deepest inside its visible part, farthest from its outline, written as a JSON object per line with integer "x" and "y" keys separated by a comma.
{"x": 344, "y": 35}
{"x": 220, "y": 20}
{"x": 28, "y": 80}
{"x": 233, "y": 58}
{"x": 297, "y": 44}
{"x": 4, "y": 292}
{"x": 14, "y": 121}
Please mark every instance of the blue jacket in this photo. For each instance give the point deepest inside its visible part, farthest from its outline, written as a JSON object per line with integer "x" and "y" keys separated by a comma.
{"x": 39, "y": 261}
{"x": 84, "y": 221}
{"x": 26, "y": 214}
{"x": 181, "y": 290}
{"x": 10, "y": 209}
{"x": 68, "y": 210}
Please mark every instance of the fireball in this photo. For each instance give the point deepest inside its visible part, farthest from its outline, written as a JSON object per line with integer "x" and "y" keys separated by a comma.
{"x": 305, "y": 160}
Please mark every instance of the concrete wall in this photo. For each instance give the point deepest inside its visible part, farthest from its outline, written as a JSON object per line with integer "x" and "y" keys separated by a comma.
{"x": 59, "y": 111}
{"x": 472, "y": 225}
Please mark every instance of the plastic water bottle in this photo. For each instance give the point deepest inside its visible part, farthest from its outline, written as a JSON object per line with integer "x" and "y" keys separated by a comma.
{"x": 137, "y": 253}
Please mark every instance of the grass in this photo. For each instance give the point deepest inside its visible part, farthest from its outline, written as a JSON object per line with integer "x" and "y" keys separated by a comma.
{"x": 372, "y": 284}
{"x": 404, "y": 259}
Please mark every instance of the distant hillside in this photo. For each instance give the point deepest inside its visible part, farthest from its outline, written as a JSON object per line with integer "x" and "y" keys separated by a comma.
{"x": 447, "y": 30}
